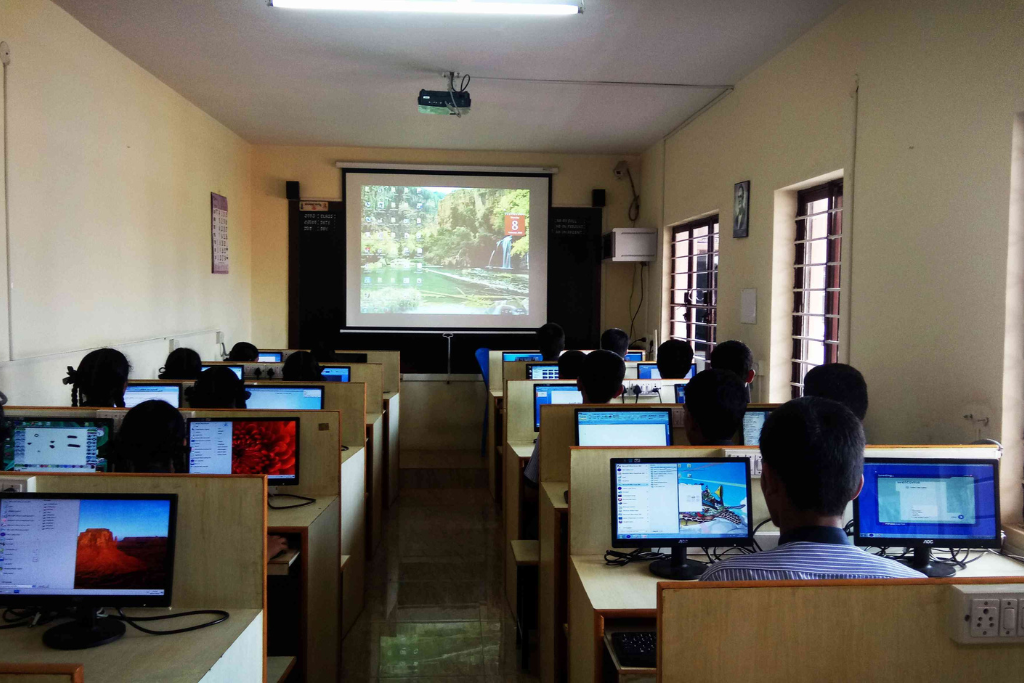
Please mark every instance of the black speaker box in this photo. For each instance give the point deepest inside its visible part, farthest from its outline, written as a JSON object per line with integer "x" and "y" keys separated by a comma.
{"x": 597, "y": 199}
{"x": 291, "y": 189}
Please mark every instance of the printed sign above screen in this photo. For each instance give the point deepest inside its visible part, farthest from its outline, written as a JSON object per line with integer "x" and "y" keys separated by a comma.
{"x": 445, "y": 250}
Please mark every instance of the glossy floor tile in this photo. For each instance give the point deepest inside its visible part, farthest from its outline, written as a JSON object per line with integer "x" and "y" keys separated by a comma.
{"x": 435, "y": 608}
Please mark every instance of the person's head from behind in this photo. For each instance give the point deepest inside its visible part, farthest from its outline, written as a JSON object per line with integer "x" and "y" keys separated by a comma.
{"x": 217, "y": 387}
{"x": 616, "y": 341}
{"x": 151, "y": 439}
{"x": 839, "y": 382}
{"x": 323, "y": 351}
{"x": 675, "y": 357}
{"x": 244, "y": 352}
{"x": 100, "y": 379}
{"x": 181, "y": 364}
{"x": 734, "y": 356}
{"x": 302, "y": 366}
{"x": 601, "y": 376}
{"x": 715, "y": 403}
{"x": 570, "y": 364}
{"x": 550, "y": 340}
{"x": 812, "y": 453}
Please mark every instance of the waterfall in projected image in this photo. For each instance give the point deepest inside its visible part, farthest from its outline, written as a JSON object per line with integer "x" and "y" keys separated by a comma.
{"x": 505, "y": 244}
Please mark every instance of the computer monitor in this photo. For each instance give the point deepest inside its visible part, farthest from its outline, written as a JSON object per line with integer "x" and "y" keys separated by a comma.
{"x": 511, "y": 356}
{"x": 269, "y": 357}
{"x": 678, "y": 502}
{"x": 634, "y": 356}
{"x": 86, "y": 551}
{"x": 336, "y": 374}
{"x": 753, "y": 422}
{"x": 239, "y": 370}
{"x": 138, "y": 393}
{"x": 928, "y": 503}
{"x": 288, "y": 397}
{"x": 647, "y": 371}
{"x": 603, "y": 427}
{"x": 45, "y": 444}
{"x": 542, "y": 371}
{"x": 681, "y": 391}
{"x": 553, "y": 394}
{"x": 246, "y": 445}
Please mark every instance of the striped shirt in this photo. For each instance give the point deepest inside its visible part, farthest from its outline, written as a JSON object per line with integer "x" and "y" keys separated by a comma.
{"x": 806, "y": 554}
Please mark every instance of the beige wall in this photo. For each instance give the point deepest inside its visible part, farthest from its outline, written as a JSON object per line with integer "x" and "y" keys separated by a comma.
{"x": 110, "y": 175}
{"x": 314, "y": 168}
{"x": 927, "y": 189}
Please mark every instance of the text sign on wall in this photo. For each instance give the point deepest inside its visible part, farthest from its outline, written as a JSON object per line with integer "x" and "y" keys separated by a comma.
{"x": 219, "y": 231}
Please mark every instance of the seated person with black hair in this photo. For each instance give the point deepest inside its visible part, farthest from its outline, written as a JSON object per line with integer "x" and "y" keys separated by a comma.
{"x": 812, "y": 452}
{"x": 100, "y": 379}
{"x": 675, "y": 358}
{"x": 152, "y": 439}
{"x": 302, "y": 366}
{"x": 217, "y": 387}
{"x": 839, "y": 382}
{"x": 181, "y": 364}
{"x": 550, "y": 340}
{"x": 616, "y": 341}
{"x": 570, "y": 364}
{"x": 244, "y": 352}
{"x": 734, "y": 356}
{"x": 715, "y": 403}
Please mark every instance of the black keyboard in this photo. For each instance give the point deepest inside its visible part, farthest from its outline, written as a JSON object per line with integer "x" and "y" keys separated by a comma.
{"x": 636, "y": 649}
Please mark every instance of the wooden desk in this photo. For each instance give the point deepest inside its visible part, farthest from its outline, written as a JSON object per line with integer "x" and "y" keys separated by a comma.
{"x": 374, "y": 480}
{"x": 554, "y": 547}
{"x": 353, "y": 535}
{"x": 391, "y": 414}
{"x": 515, "y": 458}
{"x": 231, "y": 651}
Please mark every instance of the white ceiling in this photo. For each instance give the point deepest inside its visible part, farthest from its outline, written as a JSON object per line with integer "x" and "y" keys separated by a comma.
{"x": 277, "y": 76}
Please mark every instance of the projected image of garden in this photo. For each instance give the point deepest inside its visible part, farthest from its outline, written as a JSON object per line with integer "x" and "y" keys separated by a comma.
{"x": 445, "y": 250}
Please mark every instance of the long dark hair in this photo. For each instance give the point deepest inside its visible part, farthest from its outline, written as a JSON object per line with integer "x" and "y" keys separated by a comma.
{"x": 302, "y": 366}
{"x": 181, "y": 364}
{"x": 99, "y": 380}
{"x": 151, "y": 439}
{"x": 217, "y": 387}
{"x": 244, "y": 352}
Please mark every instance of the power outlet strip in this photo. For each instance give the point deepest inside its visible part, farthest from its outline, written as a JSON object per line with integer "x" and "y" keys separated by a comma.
{"x": 646, "y": 388}
{"x": 13, "y": 485}
{"x": 986, "y": 615}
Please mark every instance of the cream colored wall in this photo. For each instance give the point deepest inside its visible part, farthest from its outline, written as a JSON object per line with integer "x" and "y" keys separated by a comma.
{"x": 110, "y": 175}
{"x": 940, "y": 84}
{"x": 314, "y": 168}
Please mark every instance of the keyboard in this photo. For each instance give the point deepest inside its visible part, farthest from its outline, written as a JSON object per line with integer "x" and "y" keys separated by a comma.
{"x": 636, "y": 649}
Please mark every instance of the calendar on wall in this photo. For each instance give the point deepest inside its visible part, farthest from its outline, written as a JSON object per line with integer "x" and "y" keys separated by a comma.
{"x": 219, "y": 231}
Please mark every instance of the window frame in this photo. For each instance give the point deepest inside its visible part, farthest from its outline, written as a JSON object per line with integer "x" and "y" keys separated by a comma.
{"x": 678, "y": 306}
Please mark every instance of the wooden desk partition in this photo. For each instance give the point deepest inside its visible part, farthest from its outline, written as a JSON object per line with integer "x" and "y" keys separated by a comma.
{"x": 42, "y": 673}
{"x": 809, "y": 631}
{"x": 391, "y": 362}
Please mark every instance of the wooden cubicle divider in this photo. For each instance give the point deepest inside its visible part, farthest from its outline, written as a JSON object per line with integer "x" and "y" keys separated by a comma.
{"x": 391, "y": 362}
{"x": 808, "y": 631}
{"x": 41, "y": 673}
{"x": 392, "y": 366}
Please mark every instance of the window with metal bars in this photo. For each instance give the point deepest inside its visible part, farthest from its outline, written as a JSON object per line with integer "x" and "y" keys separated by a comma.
{"x": 695, "y": 283}
{"x": 819, "y": 232}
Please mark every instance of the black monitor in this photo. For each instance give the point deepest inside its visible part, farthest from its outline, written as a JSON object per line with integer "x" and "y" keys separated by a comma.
{"x": 512, "y": 356}
{"x": 548, "y": 394}
{"x": 753, "y": 422}
{"x": 269, "y": 357}
{"x": 46, "y": 444}
{"x": 680, "y": 502}
{"x": 86, "y": 551}
{"x": 623, "y": 428}
{"x": 138, "y": 393}
{"x": 246, "y": 445}
{"x": 647, "y": 371}
{"x": 925, "y": 503}
{"x": 239, "y": 370}
{"x": 542, "y": 371}
{"x": 336, "y": 374}
{"x": 634, "y": 356}
{"x": 284, "y": 397}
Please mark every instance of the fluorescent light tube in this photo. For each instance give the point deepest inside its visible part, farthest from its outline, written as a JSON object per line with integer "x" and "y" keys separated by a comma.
{"x": 432, "y": 6}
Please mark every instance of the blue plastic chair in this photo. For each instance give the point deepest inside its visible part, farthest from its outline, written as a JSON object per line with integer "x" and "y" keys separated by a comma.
{"x": 483, "y": 360}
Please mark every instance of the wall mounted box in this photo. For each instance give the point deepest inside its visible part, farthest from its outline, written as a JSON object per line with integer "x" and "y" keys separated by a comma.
{"x": 630, "y": 244}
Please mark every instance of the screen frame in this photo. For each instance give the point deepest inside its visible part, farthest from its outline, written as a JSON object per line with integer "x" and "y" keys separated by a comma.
{"x": 715, "y": 541}
{"x": 541, "y": 385}
{"x": 766, "y": 411}
{"x": 530, "y": 365}
{"x": 279, "y": 354}
{"x": 159, "y": 384}
{"x": 951, "y": 543}
{"x": 164, "y": 600}
{"x": 231, "y": 366}
{"x": 646, "y": 364}
{"x": 631, "y": 360}
{"x": 270, "y": 482}
{"x": 645, "y": 409}
{"x": 276, "y": 387}
{"x": 108, "y": 422}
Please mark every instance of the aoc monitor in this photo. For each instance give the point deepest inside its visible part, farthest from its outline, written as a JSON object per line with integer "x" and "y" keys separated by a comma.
{"x": 288, "y": 397}
{"x": 45, "y": 444}
{"x": 239, "y": 370}
{"x": 336, "y": 374}
{"x": 542, "y": 371}
{"x": 139, "y": 393}
{"x": 269, "y": 357}
{"x": 553, "y": 394}
{"x": 246, "y": 445}
{"x": 623, "y": 428}
{"x": 512, "y": 356}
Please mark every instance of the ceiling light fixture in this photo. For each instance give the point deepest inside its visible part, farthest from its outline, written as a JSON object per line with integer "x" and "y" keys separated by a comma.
{"x": 435, "y": 6}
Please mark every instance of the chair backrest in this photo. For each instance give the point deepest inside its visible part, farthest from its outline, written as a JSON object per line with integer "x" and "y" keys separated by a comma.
{"x": 482, "y": 356}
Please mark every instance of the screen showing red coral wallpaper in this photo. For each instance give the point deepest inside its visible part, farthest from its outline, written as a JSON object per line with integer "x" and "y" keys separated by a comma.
{"x": 264, "y": 447}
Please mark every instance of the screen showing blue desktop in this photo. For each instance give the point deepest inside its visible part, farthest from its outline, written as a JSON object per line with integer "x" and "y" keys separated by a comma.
{"x": 623, "y": 428}
{"x": 928, "y": 500}
{"x": 269, "y": 357}
{"x": 336, "y": 374}
{"x": 647, "y": 371}
{"x": 681, "y": 392}
{"x": 512, "y": 356}
{"x": 634, "y": 356}
{"x": 547, "y": 394}
{"x": 285, "y": 398}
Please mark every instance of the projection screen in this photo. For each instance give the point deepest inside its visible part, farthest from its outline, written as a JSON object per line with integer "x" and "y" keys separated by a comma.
{"x": 442, "y": 250}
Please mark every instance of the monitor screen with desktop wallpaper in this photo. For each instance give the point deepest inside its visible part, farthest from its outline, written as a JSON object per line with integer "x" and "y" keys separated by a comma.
{"x": 602, "y": 427}
{"x": 239, "y": 370}
{"x": 269, "y": 357}
{"x": 557, "y": 394}
{"x": 542, "y": 371}
{"x": 634, "y": 356}
{"x": 43, "y": 444}
{"x": 263, "y": 445}
{"x": 336, "y": 374}
{"x": 285, "y": 398}
{"x": 513, "y": 356}
{"x": 138, "y": 393}
{"x": 681, "y": 392}
{"x": 647, "y": 371}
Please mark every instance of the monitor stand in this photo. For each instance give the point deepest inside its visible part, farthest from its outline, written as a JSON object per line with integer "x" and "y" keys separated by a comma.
{"x": 922, "y": 562}
{"x": 678, "y": 568}
{"x": 87, "y": 630}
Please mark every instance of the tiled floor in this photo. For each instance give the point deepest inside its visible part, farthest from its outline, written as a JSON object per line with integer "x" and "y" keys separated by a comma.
{"x": 435, "y": 604}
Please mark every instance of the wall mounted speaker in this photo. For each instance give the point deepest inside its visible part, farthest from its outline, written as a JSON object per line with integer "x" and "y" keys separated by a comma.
{"x": 291, "y": 189}
{"x": 597, "y": 199}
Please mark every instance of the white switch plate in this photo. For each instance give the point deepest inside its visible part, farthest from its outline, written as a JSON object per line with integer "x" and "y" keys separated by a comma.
{"x": 976, "y": 613}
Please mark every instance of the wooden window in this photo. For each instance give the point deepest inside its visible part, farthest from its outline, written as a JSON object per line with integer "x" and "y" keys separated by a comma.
{"x": 819, "y": 232}
{"x": 695, "y": 283}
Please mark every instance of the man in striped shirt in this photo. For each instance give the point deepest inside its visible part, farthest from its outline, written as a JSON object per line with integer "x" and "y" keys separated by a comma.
{"x": 812, "y": 452}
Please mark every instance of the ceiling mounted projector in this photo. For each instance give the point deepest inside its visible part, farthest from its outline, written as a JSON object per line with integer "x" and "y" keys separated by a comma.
{"x": 450, "y": 102}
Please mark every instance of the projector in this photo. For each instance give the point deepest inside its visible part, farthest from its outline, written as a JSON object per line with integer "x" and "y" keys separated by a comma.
{"x": 444, "y": 102}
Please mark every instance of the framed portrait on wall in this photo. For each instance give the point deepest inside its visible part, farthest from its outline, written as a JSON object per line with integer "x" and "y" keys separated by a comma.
{"x": 741, "y": 209}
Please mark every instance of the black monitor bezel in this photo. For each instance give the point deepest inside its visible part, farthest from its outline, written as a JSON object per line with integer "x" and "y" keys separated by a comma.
{"x": 241, "y": 366}
{"x": 646, "y": 363}
{"x": 12, "y": 600}
{"x": 705, "y": 542}
{"x": 530, "y": 365}
{"x": 13, "y": 420}
{"x": 278, "y": 385}
{"x": 239, "y": 418}
{"x": 610, "y": 409}
{"x": 522, "y": 360}
{"x": 159, "y": 384}
{"x": 766, "y": 411}
{"x": 676, "y": 387}
{"x": 951, "y": 543}
{"x": 566, "y": 383}
{"x": 337, "y": 367}
{"x": 280, "y": 357}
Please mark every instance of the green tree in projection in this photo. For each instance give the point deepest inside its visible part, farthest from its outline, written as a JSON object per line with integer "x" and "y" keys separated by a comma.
{"x": 470, "y": 223}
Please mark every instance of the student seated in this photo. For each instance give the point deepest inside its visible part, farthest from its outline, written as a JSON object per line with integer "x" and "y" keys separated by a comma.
{"x": 152, "y": 438}
{"x": 675, "y": 358}
{"x": 323, "y": 351}
{"x": 839, "y": 382}
{"x": 302, "y": 366}
{"x": 715, "y": 403}
{"x": 100, "y": 380}
{"x": 812, "y": 452}
{"x": 217, "y": 387}
{"x": 244, "y": 352}
{"x": 550, "y": 340}
{"x": 616, "y": 341}
{"x": 181, "y": 364}
{"x": 570, "y": 364}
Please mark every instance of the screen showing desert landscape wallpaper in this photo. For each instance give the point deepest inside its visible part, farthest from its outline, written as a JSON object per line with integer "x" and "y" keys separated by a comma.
{"x": 122, "y": 544}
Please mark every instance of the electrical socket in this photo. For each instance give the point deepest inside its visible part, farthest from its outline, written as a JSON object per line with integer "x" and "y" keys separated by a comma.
{"x": 984, "y": 618}
{"x": 220, "y": 337}
{"x": 986, "y": 614}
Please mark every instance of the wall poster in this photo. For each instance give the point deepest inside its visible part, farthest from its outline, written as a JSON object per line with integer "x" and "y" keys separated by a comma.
{"x": 219, "y": 231}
